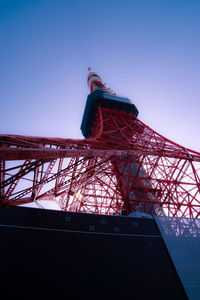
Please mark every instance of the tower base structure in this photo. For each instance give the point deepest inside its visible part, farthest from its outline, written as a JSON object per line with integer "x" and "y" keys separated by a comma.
{"x": 60, "y": 254}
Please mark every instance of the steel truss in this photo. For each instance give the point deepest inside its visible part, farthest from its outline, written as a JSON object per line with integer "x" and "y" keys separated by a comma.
{"x": 124, "y": 165}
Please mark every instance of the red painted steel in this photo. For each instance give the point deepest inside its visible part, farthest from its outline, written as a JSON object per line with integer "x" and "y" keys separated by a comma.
{"x": 124, "y": 165}
{"x": 80, "y": 175}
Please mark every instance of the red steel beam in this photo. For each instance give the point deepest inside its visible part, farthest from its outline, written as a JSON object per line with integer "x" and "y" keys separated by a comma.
{"x": 49, "y": 153}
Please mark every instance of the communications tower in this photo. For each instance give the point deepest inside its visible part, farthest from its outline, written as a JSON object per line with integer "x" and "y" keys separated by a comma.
{"x": 121, "y": 167}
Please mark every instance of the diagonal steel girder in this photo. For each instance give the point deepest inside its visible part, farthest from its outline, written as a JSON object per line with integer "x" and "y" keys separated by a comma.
{"x": 23, "y": 171}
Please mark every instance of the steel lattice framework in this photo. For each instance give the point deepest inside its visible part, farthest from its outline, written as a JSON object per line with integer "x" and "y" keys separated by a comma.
{"x": 96, "y": 174}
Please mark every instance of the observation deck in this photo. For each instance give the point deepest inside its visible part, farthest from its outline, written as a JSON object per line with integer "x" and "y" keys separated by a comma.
{"x": 103, "y": 99}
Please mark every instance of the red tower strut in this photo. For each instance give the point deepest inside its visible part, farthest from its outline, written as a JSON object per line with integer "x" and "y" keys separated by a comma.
{"x": 122, "y": 165}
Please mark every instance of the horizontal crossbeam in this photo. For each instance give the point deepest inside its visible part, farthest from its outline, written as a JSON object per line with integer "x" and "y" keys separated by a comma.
{"x": 49, "y": 153}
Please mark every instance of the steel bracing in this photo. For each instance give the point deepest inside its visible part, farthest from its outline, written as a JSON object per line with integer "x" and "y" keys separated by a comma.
{"x": 124, "y": 165}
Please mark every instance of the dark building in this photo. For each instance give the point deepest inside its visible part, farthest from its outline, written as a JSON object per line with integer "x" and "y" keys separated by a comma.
{"x": 54, "y": 254}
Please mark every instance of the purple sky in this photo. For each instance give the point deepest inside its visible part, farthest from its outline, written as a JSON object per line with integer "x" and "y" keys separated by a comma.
{"x": 145, "y": 50}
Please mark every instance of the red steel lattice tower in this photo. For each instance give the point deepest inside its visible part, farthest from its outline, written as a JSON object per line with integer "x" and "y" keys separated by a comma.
{"x": 121, "y": 166}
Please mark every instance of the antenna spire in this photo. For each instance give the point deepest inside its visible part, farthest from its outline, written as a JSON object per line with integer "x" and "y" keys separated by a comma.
{"x": 95, "y": 83}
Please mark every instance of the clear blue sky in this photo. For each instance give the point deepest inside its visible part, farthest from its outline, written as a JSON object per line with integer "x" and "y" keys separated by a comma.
{"x": 147, "y": 50}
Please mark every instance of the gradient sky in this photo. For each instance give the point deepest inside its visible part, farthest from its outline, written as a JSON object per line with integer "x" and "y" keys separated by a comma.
{"x": 147, "y": 50}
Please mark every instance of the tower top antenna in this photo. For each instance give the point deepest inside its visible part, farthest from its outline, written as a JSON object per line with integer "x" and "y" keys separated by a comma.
{"x": 95, "y": 83}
